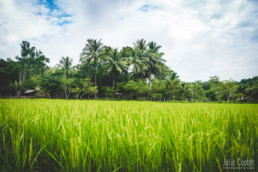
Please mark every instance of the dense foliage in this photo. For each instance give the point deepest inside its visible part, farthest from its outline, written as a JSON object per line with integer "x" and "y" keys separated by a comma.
{"x": 137, "y": 72}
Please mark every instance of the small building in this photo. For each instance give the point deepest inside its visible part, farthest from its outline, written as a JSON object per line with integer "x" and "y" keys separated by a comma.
{"x": 31, "y": 93}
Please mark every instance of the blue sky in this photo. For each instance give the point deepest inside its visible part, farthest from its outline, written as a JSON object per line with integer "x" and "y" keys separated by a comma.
{"x": 55, "y": 11}
{"x": 199, "y": 38}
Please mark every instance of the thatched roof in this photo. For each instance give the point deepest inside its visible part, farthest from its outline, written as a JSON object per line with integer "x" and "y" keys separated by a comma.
{"x": 30, "y": 91}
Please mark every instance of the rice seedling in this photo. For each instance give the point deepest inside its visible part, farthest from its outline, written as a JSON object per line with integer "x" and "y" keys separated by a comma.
{"x": 61, "y": 135}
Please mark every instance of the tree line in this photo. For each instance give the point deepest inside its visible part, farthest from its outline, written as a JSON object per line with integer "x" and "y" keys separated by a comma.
{"x": 132, "y": 73}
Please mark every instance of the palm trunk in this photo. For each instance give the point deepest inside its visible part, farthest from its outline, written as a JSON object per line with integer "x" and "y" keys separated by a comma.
{"x": 148, "y": 96}
{"x": 66, "y": 88}
{"x": 66, "y": 92}
{"x": 95, "y": 79}
{"x": 114, "y": 87}
{"x": 192, "y": 94}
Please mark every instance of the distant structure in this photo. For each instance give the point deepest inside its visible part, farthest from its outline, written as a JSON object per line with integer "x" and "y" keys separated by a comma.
{"x": 31, "y": 93}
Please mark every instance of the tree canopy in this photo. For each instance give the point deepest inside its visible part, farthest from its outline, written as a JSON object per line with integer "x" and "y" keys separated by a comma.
{"x": 139, "y": 72}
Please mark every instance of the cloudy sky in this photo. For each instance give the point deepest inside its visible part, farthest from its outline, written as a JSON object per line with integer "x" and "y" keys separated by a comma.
{"x": 199, "y": 38}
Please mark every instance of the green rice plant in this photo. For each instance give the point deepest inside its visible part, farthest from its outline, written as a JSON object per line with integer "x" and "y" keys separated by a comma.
{"x": 72, "y": 135}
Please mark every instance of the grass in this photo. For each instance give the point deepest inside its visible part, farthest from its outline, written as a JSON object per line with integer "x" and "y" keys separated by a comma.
{"x": 61, "y": 135}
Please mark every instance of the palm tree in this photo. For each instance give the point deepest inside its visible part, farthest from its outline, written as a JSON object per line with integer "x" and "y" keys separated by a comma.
{"x": 115, "y": 65}
{"x": 154, "y": 47}
{"x": 140, "y": 44}
{"x": 91, "y": 52}
{"x": 40, "y": 62}
{"x": 172, "y": 74}
{"x": 66, "y": 65}
{"x": 156, "y": 64}
{"x": 138, "y": 60}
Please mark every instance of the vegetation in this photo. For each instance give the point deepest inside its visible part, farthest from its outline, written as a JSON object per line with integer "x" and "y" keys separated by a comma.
{"x": 92, "y": 135}
{"x": 61, "y": 135}
{"x": 137, "y": 72}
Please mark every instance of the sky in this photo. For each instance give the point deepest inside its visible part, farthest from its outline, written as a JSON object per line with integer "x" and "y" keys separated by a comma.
{"x": 199, "y": 38}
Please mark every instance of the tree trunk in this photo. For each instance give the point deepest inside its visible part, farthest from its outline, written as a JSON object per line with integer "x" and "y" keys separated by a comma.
{"x": 229, "y": 95}
{"x": 149, "y": 81}
{"x": 66, "y": 74}
{"x": 66, "y": 92}
{"x": 95, "y": 79}
{"x": 19, "y": 90}
{"x": 114, "y": 87}
{"x": 82, "y": 95}
{"x": 22, "y": 77}
{"x": 192, "y": 95}
{"x": 18, "y": 93}
{"x": 42, "y": 73}
{"x": 148, "y": 96}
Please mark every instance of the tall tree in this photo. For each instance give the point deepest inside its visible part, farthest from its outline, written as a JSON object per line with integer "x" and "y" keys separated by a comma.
{"x": 138, "y": 61}
{"x": 26, "y": 59}
{"x": 40, "y": 63}
{"x": 126, "y": 51}
{"x": 156, "y": 64}
{"x": 154, "y": 47}
{"x": 92, "y": 52}
{"x": 186, "y": 91}
{"x": 31, "y": 62}
{"x": 115, "y": 65}
{"x": 197, "y": 92}
{"x": 139, "y": 58}
{"x": 249, "y": 89}
{"x": 217, "y": 87}
{"x": 8, "y": 74}
{"x": 230, "y": 88}
{"x": 51, "y": 83}
{"x": 140, "y": 44}
{"x": 172, "y": 75}
{"x": 66, "y": 67}
{"x": 253, "y": 90}
{"x": 158, "y": 89}
{"x": 86, "y": 87}
{"x": 174, "y": 89}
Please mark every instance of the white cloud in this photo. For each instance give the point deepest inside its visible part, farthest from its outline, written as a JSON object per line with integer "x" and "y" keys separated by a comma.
{"x": 199, "y": 39}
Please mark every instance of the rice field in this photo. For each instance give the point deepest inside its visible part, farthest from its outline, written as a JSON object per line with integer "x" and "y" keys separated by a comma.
{"x": 71, "y": 135}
